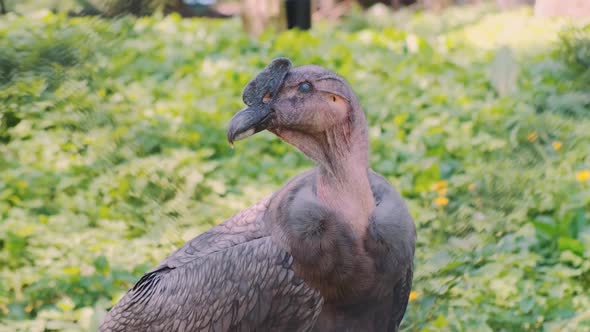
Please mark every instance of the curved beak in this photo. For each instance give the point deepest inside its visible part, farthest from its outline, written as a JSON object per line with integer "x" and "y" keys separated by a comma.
{"x": 257, "y": 116}
{"x": 248, "y": 122}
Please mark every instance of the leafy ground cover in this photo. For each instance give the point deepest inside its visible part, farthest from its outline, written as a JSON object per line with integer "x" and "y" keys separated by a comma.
{"x": 113, "y": 153}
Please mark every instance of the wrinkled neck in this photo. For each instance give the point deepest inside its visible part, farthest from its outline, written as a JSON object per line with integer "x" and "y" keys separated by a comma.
{"x": 342, "y": 157}
{"x": 343, "y": 179}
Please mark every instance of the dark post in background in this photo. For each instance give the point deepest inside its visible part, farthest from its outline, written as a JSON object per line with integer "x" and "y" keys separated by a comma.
{"x": 298, "y": 14}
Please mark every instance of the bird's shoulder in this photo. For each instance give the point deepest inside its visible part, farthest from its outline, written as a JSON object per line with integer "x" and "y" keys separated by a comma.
{"x": 391, "y": 210}
{"x": 246, "y": 225}
{"x": 391, "y": 233}
{"x": 391, "y": 243}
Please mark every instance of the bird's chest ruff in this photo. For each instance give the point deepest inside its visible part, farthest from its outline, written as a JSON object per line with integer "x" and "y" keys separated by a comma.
{"x": 328, "y": 253}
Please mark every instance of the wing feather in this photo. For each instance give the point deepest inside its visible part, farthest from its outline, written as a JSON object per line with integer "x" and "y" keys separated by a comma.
{"x": 232, "y": 277}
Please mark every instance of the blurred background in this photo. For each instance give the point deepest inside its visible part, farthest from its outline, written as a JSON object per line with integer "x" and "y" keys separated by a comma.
{"x": 113, "y": 149}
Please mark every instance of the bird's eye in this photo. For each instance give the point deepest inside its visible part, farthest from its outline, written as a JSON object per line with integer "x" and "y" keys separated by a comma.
{"x": 305, "y": 87}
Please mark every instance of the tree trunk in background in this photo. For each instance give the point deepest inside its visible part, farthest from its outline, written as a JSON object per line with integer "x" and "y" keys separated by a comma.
{"x": 573, "y": 8}
{"x": 257, "y": 15}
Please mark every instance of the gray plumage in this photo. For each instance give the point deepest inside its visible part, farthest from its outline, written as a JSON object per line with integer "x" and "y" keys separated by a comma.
{"x": 298, "y": 260}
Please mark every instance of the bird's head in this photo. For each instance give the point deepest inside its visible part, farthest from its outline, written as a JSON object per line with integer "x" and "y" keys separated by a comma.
{"x": 308, "y": 106}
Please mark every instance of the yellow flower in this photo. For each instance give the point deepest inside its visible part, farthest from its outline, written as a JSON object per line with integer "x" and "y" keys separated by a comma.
{"x": 439, "y": 185}
{"x": 441, "y": 201}
{"x": 413, "y": 296}
{"x": 472, "y": 186}
{"x": 583, "y": 175}
{"x": 532, "y": 136}
{"x": 556, "y": 145}
{"x": 443, "y": 191}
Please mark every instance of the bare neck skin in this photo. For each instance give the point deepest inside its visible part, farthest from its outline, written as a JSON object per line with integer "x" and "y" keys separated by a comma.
{"x": 342, "y": 178}
{"x": 342, "y": 156}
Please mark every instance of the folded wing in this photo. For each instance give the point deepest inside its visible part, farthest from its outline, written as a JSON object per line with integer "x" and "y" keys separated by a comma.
{"x": 232, "y": 277}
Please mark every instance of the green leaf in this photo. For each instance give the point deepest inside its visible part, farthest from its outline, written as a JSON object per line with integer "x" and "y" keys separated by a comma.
{"x": 574, "y": 245}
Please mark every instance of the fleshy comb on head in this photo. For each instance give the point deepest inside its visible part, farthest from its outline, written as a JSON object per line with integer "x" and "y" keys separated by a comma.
{"x": 269, "y": 80}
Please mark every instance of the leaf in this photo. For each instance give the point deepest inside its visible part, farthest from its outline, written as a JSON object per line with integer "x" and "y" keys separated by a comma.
{"x": 440, "y": 322}
{"x": 102, "y": 265}
{"x": 574, "y": 245}
{"x": 546, "y": 225}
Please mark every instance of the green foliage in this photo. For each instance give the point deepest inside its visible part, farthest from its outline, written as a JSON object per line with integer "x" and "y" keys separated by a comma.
{"x": 113, "y": 154}
{"x": 575, "y": 50}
